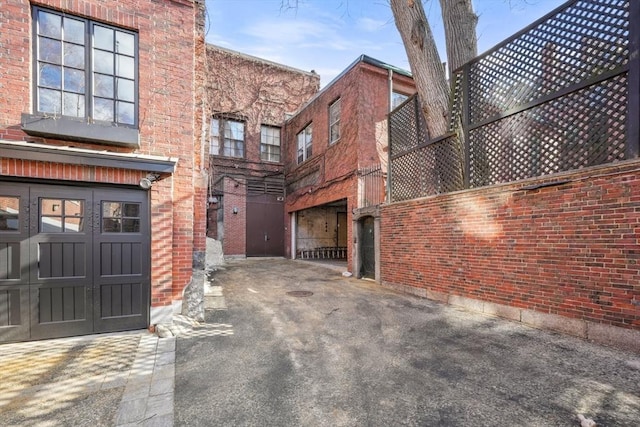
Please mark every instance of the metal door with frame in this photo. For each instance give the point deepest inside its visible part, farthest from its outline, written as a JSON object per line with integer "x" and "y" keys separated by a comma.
{"x": 265, "y": 225}
{"x": 367, "y": 248}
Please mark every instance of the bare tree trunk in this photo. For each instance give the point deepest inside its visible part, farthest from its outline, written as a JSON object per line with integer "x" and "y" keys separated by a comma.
{"x": 425, "y": 63}
{"x": 460, "y": 32}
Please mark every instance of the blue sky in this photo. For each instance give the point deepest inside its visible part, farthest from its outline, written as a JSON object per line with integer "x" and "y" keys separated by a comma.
{"x": 328, "y": 35}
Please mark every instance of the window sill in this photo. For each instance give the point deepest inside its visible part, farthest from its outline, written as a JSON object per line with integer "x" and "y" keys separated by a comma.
{"x": 79, "y": 130}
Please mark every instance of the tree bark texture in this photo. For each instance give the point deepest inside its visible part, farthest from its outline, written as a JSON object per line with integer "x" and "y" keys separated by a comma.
{"x": 425, "y": 63}
{"x": 460, "y": 32}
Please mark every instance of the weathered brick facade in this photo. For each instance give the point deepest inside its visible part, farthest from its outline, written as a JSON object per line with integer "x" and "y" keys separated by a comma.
{"x": 330, "y": 174}
{"x": 171, "y": 68}
{"x": 570, "y": 250}
{"x": 255, "y": 92}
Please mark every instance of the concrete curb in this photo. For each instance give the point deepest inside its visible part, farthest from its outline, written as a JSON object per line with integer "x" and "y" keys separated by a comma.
{"x": 149, "y": 393}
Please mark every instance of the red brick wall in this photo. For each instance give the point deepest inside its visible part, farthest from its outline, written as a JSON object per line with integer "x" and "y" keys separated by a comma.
{"x": 570, "y": 250}
{"x": 330, "y": 174}
{"x": 167, "y": 58}
{"x": 235, "y": 225}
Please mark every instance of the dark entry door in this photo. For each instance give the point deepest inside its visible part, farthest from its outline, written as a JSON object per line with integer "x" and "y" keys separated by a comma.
{"x": 73, "y": 260}
{"x": 265, "y": 225}
{"x": 121, "y": 264}
{"x": 367, "y": 248}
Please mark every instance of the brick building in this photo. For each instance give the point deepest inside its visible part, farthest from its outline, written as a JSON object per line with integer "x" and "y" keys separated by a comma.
{"x": 102, "y": 200}
{"x": 249, "y": 99}
{"x": 338, "y": 134}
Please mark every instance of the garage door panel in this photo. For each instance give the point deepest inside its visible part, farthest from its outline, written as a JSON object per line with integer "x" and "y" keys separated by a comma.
{"x": 14, "y": 262}
{"x": 121, "y": 299}
{"x": 14, "y": 313}
{"x": 62, "y": 303}
{"x": 62, "y": 259}
{"x": 10, "y": 308}
{"x": 9, "y": 260}
{"x": 60, "y": 310}
{"x": 120, "y": 258}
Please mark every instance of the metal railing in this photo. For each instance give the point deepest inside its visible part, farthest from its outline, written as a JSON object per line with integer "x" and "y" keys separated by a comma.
{"x": 371, "y": 186}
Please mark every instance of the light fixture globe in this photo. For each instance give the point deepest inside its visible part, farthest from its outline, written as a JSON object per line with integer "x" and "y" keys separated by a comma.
{"x": 145, "y": 183}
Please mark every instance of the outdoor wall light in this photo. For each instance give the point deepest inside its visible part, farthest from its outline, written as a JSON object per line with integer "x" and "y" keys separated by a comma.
{"x": 235, "y": 210}
{"x": 147, "y": 181}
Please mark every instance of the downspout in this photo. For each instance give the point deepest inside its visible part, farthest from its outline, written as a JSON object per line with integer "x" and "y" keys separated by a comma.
{"x": 390, "y": 89}
{"x": 389, "y": 137}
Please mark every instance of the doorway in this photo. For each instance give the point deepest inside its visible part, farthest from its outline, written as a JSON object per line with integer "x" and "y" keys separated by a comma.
{"x": 367, "y": 248}
{"x": 73, "y": 260}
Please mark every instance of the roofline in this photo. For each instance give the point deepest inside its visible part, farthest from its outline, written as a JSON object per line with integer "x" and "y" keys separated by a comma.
{"x": 263, "y": 61}
{"x": 362, "y": 58}
{"x": 82, "y": 156}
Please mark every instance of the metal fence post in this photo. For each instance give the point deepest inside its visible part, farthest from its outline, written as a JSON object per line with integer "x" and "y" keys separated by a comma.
{"x": 466, "y": 104}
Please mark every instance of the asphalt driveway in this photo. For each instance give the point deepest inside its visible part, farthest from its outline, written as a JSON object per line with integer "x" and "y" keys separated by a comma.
{"x": 357, "y": 354}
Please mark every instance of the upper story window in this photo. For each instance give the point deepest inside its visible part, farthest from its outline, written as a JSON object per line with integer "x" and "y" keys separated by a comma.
{"x": 304, "y": 143}
{"x": 397, "y": 98}
{"x": 85, "y": 69}
{"x": 334, "y": 121}
{"x": 227, "y": 137}
{"x": 270, "y": 143}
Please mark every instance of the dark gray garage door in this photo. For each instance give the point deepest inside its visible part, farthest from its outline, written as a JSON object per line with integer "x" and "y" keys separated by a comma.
{"x": 73, "y": 260}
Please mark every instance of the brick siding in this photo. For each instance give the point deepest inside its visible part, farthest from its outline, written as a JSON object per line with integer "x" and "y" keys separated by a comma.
{"x": 171, "y": 66}
{"x": 571, "y": 250}
{"x": 330, "y": 174}
{"x": 256, "y": 92}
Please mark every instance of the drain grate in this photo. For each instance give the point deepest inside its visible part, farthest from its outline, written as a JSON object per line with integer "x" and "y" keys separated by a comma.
{"x": 300, "y": 294}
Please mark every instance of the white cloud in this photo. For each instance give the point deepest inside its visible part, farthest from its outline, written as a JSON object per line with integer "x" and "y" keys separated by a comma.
{"x": 370, "y": 25}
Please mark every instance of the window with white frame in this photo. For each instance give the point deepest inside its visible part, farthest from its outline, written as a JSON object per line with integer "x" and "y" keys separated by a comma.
{"x": 227, "y": 137}
{"x": 270, "y": 143}
{"x": 397, "y": 98}
{"x": 334, "y": 121}
{"x": 304, "y": 143}
{"x": 85, "y": 69}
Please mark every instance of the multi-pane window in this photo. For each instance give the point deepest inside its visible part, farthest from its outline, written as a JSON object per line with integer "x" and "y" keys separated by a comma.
{"x": 270, "y": 143}
{"x": 334, "y": 121}
{"x": 227, "y": 137}
{"x": 61, "y": 215}
{"x": 9, "y": 213}
{"x": 85, "y": 69}
{"x": 120, "y": 217}
{"x": 397, "y": 98}
{"x": 304, "y": 143}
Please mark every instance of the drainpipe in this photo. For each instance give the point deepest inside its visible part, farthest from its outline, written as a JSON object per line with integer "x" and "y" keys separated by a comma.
{"x": 388, "y": 189}
{"x": 390, "y": 89}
